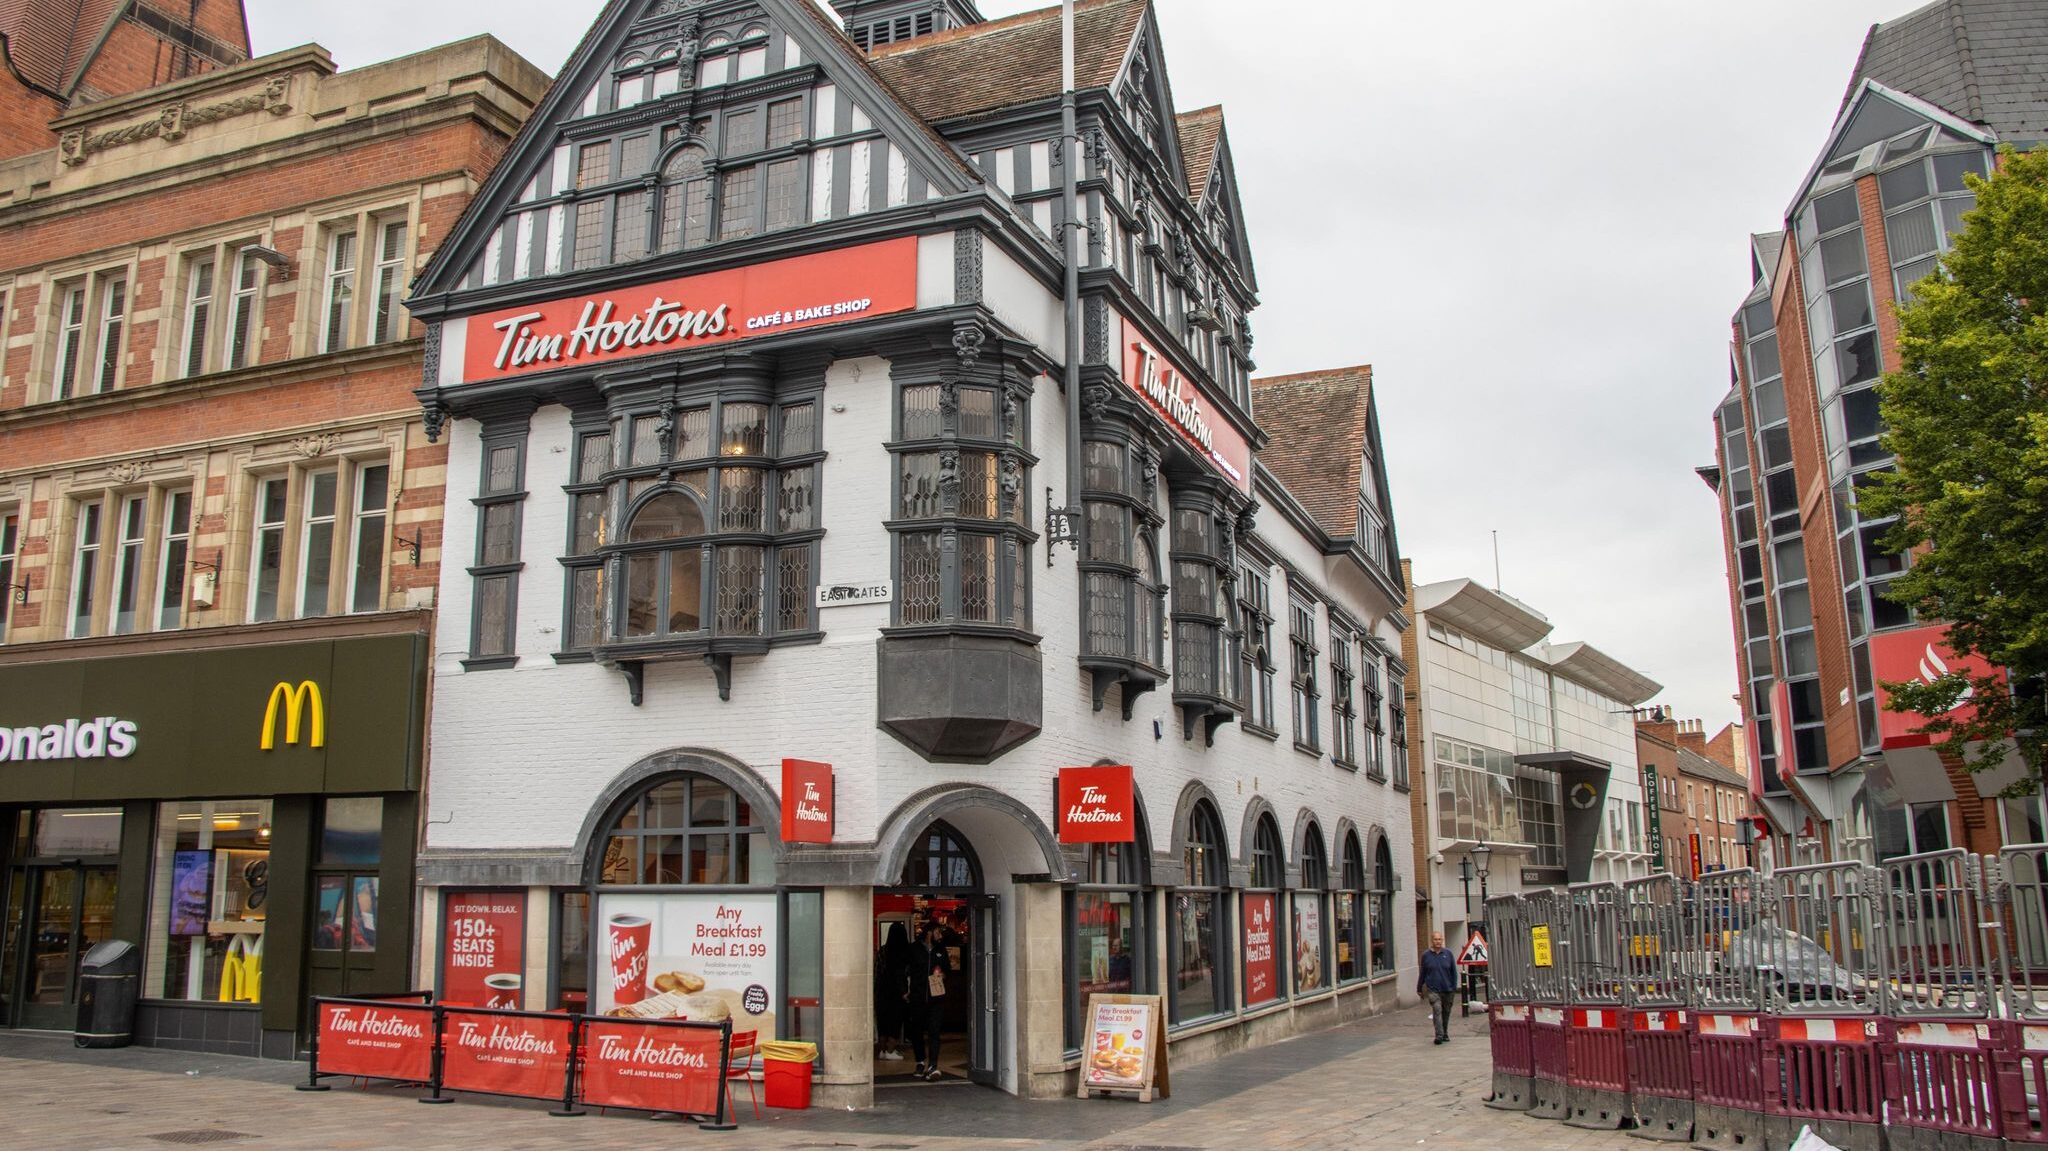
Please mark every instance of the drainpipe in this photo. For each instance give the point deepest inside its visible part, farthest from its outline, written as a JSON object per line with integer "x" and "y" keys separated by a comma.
{"x": 1071, "y": 142}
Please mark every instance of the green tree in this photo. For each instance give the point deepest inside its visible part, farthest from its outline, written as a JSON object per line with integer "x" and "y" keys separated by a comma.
{"x": 1967, "y": 417}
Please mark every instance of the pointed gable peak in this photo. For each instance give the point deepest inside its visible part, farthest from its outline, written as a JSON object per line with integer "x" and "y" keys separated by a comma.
{"x": 1200, "y": 132}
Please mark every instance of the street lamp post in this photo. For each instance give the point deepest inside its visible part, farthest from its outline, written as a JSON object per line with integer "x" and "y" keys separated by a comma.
{"x": 1475, "y": 864}
{"x": 1465, "y": 877}
{"x": 1485, "y": 854}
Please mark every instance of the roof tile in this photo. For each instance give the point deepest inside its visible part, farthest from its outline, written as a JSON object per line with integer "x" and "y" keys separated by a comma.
{"x": 981, "y": 68}
{"x": 1316, "y": 422}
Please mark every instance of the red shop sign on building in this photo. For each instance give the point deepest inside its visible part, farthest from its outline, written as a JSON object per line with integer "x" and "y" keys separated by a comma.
{"x": 525, "y": 1055}
{"x": 1096, "y": 805}
{"x": 1186, "y": 408}
{"x": 377, "y": 1041}
{"x": 1922, "y": 654}
{"x": 806, "y": 801}
{"x": 652, "y": 1066}
{"x": 693, "y": 311}
{"x": 483, "y": 948}
{"x": 1261, "y": 963}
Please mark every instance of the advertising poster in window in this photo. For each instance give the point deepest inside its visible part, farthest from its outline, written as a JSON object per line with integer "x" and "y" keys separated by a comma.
{"x": 1261, "y": 966}
{"x": 1308, "y": 942}
{"x": 191, "y": 892}
{"x": 506, "y": 1054}
{"x": 704, "y": 958}
{"x": 483, "y": 948}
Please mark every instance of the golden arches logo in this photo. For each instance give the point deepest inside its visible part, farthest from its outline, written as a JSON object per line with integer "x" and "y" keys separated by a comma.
{"x": 297, "y": 702}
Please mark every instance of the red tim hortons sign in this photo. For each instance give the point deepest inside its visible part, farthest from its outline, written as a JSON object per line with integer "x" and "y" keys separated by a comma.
{"x": 1096, "y": 805}
{"x": 525, "y": 1055}
{"x": 652, "y": 1066}
{"x": 377, "y": 1040}
{"x": 1185, "y": 408}
{"x": 806, "y": 801}
{"x": 692, "y": 311}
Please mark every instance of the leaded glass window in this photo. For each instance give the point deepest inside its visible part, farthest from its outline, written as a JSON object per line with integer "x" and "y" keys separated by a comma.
{"x": 959, "y": 507}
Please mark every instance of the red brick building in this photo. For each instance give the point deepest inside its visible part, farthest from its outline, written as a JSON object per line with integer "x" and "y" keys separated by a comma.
{"x": 1700, "y": 796}
{"x": 1934, "y": 93}
{"x": 219, "y": 512}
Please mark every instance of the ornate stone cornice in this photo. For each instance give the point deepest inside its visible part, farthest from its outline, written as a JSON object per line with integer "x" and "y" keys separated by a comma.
{"x": 173, "y": 120}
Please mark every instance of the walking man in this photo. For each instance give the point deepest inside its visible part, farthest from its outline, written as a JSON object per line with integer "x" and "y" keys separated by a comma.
{"x": 1438, "y": 984}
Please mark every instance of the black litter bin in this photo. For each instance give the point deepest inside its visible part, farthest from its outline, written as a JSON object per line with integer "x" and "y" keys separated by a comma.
{"x": 109, "y": 986}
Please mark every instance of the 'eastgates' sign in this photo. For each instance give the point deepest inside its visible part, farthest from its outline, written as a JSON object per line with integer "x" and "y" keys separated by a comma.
{"x": 101, "y": 738}
{"x": 693, "y": 311}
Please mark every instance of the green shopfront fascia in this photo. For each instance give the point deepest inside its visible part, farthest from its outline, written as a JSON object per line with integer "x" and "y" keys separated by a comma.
{"x": 242, "y": 805}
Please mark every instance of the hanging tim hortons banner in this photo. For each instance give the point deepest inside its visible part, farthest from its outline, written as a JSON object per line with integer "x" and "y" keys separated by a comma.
{"x": 1185, "y": 408}
{"x": 691, "y": 311}
{"x": 525, "y": 1055}
{"x": 806, "y": 801}
{"x": 1096, "y": 805}
{"x": 652, "y": 1066}
{"x": 377, "y": 1040}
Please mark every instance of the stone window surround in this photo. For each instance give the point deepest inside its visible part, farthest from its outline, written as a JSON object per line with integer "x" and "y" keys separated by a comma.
{"x": 347, "y": 460}
{"x": 368, "y": 221}
{"x": 57, "y": 282}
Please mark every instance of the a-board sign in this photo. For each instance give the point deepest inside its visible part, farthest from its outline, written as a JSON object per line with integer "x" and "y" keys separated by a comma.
{"x": 1475, "y": 953}
{"x": 1539, "y": 945}
{"x": 1126, "y": 1047}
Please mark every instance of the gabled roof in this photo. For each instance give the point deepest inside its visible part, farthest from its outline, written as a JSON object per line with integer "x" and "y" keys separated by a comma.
{"x": 47, "y": 40}
{"x": 1318, "y": 423}
{"x": 1985, "y": 61}
{"x": 1700, "y": 767}
{"x": 998, "y": 64}
{"x": 1200, "y": 131}
{"x": 1764, "y": 248}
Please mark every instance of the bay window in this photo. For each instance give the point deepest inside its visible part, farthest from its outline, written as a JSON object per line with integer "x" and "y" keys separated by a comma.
{"x": 961, "y": 510}
{"x": 1124, "y": 619}
{"x": 1204, "y": 661}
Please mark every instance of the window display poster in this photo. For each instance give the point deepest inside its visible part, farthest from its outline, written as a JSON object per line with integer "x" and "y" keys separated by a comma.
{"x": 698, "y": 957}
{"x": 483, "y": 948}
{"x": 1308, "y": 941}
{"x": 1261, "y": 966}
{"x": 191, "y": 892}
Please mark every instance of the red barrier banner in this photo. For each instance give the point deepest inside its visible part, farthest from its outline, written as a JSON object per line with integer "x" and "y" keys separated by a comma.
{"x": 653, "y": 1066}
{"x": 525, "y": 1055}
{"x": 377, "y": 1040}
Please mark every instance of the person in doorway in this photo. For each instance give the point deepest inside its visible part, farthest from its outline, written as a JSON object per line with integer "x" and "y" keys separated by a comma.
{"x": 929, "y": 985}
{"x": 893, "y": 966}
{"x": 1438, "y": 983}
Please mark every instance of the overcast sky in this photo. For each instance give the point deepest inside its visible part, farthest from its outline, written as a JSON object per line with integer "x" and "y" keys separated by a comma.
{"x": 1531, "y": 219}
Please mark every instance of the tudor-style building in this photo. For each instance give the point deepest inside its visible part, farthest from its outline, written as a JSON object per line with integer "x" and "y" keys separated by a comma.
{"x": 752, "y": 363}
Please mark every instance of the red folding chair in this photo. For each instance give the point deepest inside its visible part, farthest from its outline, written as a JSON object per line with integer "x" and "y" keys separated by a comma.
{"x": 741, "y": 1064}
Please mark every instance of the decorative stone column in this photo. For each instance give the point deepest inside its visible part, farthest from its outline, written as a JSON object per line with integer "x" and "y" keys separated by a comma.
{"x": 1041, "y": 991}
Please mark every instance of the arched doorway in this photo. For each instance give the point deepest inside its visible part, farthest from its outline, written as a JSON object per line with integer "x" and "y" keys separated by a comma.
{"x": 935, "y": 939}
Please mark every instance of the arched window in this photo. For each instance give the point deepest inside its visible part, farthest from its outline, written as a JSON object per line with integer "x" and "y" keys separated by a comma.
{"x": 940, "y": 860}
{"x": 665, "y": 571}
{"x": 1382, "y": 898}
{"x": 685, "y": 200}
{"x": 1199, "y": 920}
{"x": 1352, "y": 938}
{"x": 1264, "y": 941}
{"x": 1310, "y": 938}
{"x": 1108, "y": 945}
{"x": 687, "y": 830}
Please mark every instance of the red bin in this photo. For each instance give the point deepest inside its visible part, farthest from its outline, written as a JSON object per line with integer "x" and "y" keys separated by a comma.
{"x": 786, "y": 1074}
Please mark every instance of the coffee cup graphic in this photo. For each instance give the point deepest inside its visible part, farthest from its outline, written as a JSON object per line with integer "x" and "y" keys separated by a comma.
{"x": 503, "y": 990}
{"x": 630, "y": 935}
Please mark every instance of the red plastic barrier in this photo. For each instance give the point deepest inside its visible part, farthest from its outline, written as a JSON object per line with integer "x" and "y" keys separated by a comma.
{"x": 1596, "y": 1049}
{"x": 1827, "y": 1074}
{"x": 1943, "y": 1078}
{"x": 1728, "y": 1062}
{"x": 1660, "y": 1054}
{"x": 1549, "y": 1061}
{"x": 1510, "y": 1032}
{"x": 525, "y": 1054}
{"x": 2023, "y": 1085}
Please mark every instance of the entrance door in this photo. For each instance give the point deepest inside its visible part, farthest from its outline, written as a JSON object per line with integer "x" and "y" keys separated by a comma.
{"x": 343, "y": 951}
{"x": 65, "y": 910}
{"x": 984, "y": 940}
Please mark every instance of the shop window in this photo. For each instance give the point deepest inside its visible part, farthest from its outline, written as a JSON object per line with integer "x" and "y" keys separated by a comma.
{"x": 1381, "y": 902}
{"x": 1107, "y": 936}
{"x": 1353, "y": 937}
{"x": 500, "y": 504}
{"x": 688, "y": 830}
{"x": 1264, "y": 937}
{"x": 804, "y": 992}
{"x": 1309, "y": 926}
{"x": 1343, "y": 704}
{"x": 1257, "y": 665}
{"x": 962, "y": 545}
{"x": 1200, "y": 919}
{"x": 572, "y": 963}
{"x": 209, "y": 901}
{"x": 721, "y": 530}
{"x": 1301, "y": 635}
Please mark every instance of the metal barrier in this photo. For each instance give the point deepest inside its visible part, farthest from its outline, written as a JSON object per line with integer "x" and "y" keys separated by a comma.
{"x": 1549, "y": 1055}
{"x": 1507, "y": 935}
{"x": 1933, "y": 955}
{"x": 1512, "y": 1066}
{"x": 2019, "y": 886}
{"x": 1820, "y": 956}
{"x": 1659, "y": 1038}
{"x": 1596, "y": 1035}
{"x": 1549, "y": 1061}
{"x": 1944, "y": 1088}
{"x": 1726, "y": 906}
{"x": 2023, "y": 1080}
{"x": 1728, "y": 1082}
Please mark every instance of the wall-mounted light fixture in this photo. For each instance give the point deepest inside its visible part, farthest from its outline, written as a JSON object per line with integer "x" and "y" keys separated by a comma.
{"x": 274, "y": 258}
{"x": 205, "y": 582}
{"x": 19, "y": 591}
{"x": 413, "y": 544}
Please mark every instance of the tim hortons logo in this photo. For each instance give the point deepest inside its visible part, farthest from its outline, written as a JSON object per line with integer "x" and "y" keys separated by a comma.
{"x": 596, "y": 332}
{"x": 502, "y": 1038}
{"x": 614, "y": 1049}
{"x": 807, "y": 805}
{"x": 372, "y": 1022}
{"x": 1093, "y": 807}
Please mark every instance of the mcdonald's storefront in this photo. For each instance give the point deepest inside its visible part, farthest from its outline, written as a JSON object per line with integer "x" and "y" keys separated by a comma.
{"x": 242, "y": 804}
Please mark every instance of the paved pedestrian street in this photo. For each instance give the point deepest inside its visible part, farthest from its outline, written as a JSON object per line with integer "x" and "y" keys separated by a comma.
{"x": 1379, "y": 1083}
